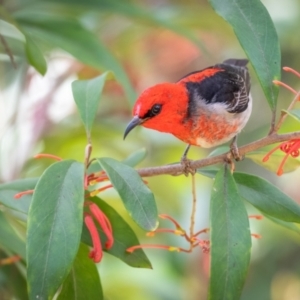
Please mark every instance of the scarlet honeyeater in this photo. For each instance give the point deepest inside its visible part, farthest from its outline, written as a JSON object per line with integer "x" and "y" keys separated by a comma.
{"x": 205, "y": 108}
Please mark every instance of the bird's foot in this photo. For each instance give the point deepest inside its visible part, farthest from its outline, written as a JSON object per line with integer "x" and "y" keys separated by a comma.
{"x": 186, "y": 166}
{"x": 229, "y": 161}
{"x": 186, "y": 163}
{"x": 235, "y": 154}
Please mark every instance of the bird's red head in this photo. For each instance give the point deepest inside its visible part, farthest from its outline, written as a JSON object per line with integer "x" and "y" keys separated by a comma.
{"x": 161, "y": 107}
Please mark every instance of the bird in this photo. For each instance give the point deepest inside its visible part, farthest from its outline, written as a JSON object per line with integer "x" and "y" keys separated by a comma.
{"x": 205, "y": 108}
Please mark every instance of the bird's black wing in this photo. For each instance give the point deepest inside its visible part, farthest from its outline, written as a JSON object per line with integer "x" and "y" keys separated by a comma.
{"x": 229, "y": 85}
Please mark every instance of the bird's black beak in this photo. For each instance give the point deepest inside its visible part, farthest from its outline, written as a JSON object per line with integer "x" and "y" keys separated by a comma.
{"x": 133, "y": 123}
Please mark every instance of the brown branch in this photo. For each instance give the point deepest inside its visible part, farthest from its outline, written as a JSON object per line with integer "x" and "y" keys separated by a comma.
{"x": 178, "y": 169}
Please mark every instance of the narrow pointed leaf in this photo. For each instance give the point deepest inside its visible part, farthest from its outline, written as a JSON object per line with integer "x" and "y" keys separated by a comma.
{"x": 132, "y": 160}
{"x": 10, "y": 30}
{"x": 135, "y": 158}
{"x": 83, "y": 281}
{"x": 209, "y": 171}
{"x": 294, "y": 113}
{"x": 287, "y": 225}
{"x": 87, "y": 96}
{"x": 54, "y": 227}
{"x": 71, "y": 36}
{"x": 256, "y": 33}
{"x": 136, "y": 196}
{"x": 124, "y": 237}
{"x": 35, "y": 56}
{"x": 267, "y": 198}
{"x": 156, "y": 16}
{"x": 230, "y": 239}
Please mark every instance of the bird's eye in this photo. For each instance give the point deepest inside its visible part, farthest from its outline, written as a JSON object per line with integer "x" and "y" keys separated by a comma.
{"x": 155, "y": 110}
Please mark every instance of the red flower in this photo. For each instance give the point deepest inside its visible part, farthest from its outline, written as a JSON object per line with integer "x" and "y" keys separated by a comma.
{"x": 291, "y": 148}
{"x": 95, "y": 213}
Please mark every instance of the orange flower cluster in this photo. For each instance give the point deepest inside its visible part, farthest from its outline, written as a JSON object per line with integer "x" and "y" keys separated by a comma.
{"x": 290, "y": 148}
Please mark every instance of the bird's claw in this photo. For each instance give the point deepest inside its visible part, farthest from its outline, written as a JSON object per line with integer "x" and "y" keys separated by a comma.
{"x": 186, "y": 166}
{"x": 229, "y": 161}
{"x": 235, "y": 154}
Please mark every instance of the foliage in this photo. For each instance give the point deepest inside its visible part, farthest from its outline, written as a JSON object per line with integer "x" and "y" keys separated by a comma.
{"x": 67, "y": 224}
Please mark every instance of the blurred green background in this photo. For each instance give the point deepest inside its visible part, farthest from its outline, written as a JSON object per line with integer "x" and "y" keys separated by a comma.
{"x": 154, "y": 41}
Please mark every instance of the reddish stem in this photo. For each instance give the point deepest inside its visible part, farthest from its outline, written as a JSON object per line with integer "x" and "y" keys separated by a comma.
{"x": 21, "y": 194}
{"x": 153, "y": 246}
{"x": 256, "y": 236}
{"x": 205, "y": 230}
{"x": 46, "y": 155}
{"x": 95, "y": 192}
{"x": 166, "y": 230}
{"x": 165, "y": 216}
{"x": 267, "y": 156}
{"x": 277, "y": 82}
{"x": 257, "y": 217}
{"x": 96, "y": 180}
{"x": 287, "y": 69}
{"x": 10, "y": 260}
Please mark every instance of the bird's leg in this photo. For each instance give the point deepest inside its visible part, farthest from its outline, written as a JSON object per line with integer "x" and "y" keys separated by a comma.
{"x": 186, "y": 163}
{"x": 235, "y": 150}
{"x": 185, "y": 152}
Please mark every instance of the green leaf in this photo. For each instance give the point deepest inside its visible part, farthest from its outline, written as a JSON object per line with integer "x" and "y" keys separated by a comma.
{"x": 152, "y": 17}
{"x": 54, "y": 227}
{"x": 135, "y": 158}
{"x": 35, "y": 56}
{"x": 132, "y": 160}
{"x": 9, "y": 30}
{"x": 218, "y": 151}
{"x": 9, "y": 239}
{"x": 267, "y": 198}
{"x": 230, "y": 239}
{"x": 83, "y": 281}
{"x": 136, "y": 196}
{"x": 287, "y": 225}
{"x": 295, "y": 113}
{"x": 156, "y": 17}
{"x": 71, "y": 36}
{"x": 274, "y": 160}
{"x": 256, "y": 33}
{"x": 124, "y": 237}
{"x": 209, "y": 171}
{"x": 87, "y": 96}
{"x": 9, "y": 190}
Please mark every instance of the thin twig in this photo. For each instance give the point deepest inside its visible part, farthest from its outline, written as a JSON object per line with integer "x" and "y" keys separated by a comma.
{"x": 284, "y": 114}
{"x": 194, "y": 202}
{"x": 8, "y": 50}
{"x": 178, "y": 169}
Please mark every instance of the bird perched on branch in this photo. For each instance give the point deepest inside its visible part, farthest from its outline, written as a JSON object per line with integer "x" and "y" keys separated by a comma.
{"x": 205, "y": 108}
